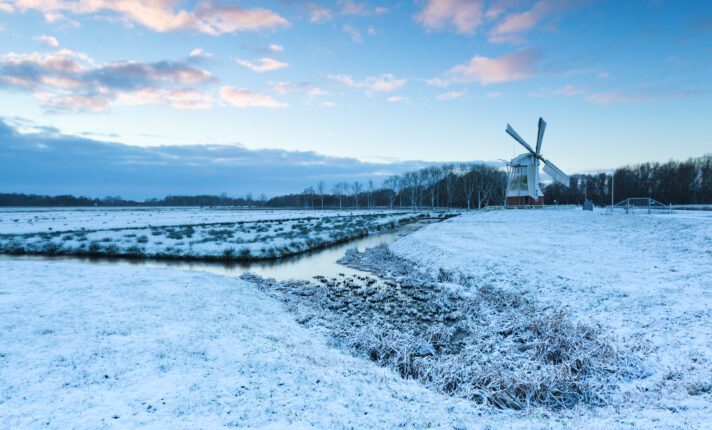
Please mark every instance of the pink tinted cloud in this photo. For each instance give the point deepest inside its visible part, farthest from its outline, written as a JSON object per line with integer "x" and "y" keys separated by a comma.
{"x": 513, "y": 26}
{"x": 262, "y": 65}
{"x": 69, "y": 81}
{"x": 162, "y": 15}
{"x": 244, "y": 98}
{"x": 485, "y": 70}
{"x": 464, "y": 16}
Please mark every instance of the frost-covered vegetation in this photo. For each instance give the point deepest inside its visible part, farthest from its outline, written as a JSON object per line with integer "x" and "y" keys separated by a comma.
{"x": 475, "y": 342}
{"x": 35, "y": 220}
{"x": 228, "y": 241}
{"x": 646, "y": 279}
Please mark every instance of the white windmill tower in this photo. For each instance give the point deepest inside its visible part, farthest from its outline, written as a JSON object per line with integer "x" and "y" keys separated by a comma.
{"x": 523, "y": 172}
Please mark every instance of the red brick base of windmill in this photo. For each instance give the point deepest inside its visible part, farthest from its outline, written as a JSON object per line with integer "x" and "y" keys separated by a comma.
{"x": 524, "y": 201}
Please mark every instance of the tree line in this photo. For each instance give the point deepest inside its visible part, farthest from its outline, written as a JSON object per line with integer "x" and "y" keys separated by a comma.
{"x": 33, "y": 200}
{"x": 672, "y": 182}
{"x": 467, "y": 185}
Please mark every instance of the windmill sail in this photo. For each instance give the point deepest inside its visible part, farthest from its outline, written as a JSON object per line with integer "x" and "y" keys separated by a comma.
{"x": 556, "y": 173}
{"x": 540, "y": 135}
{"x": 519, "y": 139}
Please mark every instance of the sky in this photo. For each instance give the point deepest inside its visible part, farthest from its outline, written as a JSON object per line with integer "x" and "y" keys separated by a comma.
{"x": 384, "y": 86}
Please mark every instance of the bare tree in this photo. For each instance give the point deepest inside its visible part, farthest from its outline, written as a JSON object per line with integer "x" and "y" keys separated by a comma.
{"x": 369, "y": 195}
{"x": 339, "y": 190}
{"x": 308, "y": 194}
{"x": 321, "y": 189}
{"x": 392, "y": 187}
{"x": 356, "y": 189}
{"x": 411, "y": 184}
{"x": 470, "y": 178}
{"x": 450, "y": 181}
{"x": 431, "y": 176}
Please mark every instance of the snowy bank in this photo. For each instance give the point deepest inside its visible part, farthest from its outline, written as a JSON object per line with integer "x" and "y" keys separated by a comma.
{"x": 36, "y": 220}
{"x": 263, "y": 238}
{"x": 648, "y": 278}
{"x": 89, "y": 346}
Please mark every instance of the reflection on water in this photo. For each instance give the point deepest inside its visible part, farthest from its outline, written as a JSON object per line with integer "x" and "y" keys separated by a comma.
{"x": 302, "y": 266}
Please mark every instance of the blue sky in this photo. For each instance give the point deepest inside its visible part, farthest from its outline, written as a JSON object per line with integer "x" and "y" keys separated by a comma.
{"x": 433, "y": 80}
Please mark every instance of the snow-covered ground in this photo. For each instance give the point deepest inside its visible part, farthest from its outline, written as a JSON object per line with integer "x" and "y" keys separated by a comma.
{"x": 33, "y": 220}
{"x": 107, "y": 346}
{"x": 260, "y": 237}
{"x": 646, "y": 277}
{"x": 87, "y": 346}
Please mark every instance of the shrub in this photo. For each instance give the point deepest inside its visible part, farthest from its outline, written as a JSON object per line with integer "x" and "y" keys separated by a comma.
{"x": 94, "y": 247}
{"x": 228, "y": 254}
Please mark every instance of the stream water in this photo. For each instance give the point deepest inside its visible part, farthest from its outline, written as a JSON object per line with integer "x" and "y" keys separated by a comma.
{"x": 319, "y": 262}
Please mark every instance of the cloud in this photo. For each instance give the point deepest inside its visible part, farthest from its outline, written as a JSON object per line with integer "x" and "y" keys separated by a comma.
{"x": 244, "y": 98}
{"x": 262, "y": 65}
{"x": 317, "y": 92}
{"x": 178, "y": 98}
{"x": 208, "y": 17}
{"x": 437, "y": 82}
{"x": 397, "y": 99}
{"x": 614, "y": 97}
{"x": 48, "y": 40}
{"x": 70, "y": 81}
{"x": 6, "y": 7}
{"x": 569, "y": 91}
{"x": 465, "y": 16}
{"x": 507, "y": 68}
{"x": 318, "y": 14}
{"x": 275, "y": 48}
{"x": 383, "y": 83}
{"x": 283, "y": 88}
{"x": 351, "y": 7}
{"x": 641, "y": 95}
{"x": 353, "y": 32}
{"x": 452, "y": 95}
{"x": 48, "y": 162}
{"x": 199, "y": 53}
{"x": 512, "y": 27}
{"x": 565, "y": 91}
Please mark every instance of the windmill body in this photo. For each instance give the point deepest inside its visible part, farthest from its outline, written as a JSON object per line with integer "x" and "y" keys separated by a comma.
{"x": 523, "y": 172}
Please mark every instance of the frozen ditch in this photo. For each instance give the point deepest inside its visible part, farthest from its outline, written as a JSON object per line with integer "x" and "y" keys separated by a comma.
{"x": 478, "y": 343}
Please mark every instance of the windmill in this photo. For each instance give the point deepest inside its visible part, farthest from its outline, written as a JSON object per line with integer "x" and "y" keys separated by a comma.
{"x": 523, "y": 172}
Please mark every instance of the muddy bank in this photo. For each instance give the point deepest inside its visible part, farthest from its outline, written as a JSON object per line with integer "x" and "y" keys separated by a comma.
{"x": 470, "y": 341}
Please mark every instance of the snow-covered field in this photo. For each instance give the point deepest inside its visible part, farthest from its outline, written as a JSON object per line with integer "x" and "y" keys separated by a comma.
{"x": 90, "y": 347}
{"x": 646, "y": 277}
{"x": 97, "y": 346}
{"x": 255, "y": 235}
{"x": 34, "y": 220}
